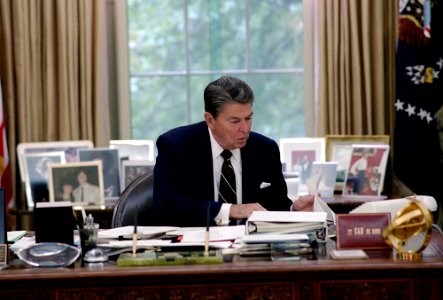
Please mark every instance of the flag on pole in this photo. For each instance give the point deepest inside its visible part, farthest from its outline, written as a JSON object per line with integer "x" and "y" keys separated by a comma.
{"x": 419, "y": 86}
{"x": 5, "y": 171}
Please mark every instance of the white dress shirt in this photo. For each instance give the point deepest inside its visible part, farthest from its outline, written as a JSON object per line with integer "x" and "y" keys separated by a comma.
{"x": 217, "y": 161}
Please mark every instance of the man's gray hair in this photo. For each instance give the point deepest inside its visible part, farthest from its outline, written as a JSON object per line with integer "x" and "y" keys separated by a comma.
{"x": 224, "y": 90}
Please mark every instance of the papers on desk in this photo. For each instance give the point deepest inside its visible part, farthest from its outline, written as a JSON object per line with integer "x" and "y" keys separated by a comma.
{"x": 143, "y": 232}
{"x": 274, "y": 238}
{"x": 140, "y": 244}
{"x": 24, "y": 242}
{"x": 223, "y": 233}
{"x": 278, "y": 246}
{"x": 394, "y": 205}
{"x": 286, "y": 222}
{"x": 14, "y": 236}
{"x": 319, "y": 205}
{"x": 149, "y": 236}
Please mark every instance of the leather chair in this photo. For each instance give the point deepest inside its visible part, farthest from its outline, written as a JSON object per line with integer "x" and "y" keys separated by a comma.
{"x": 137, "y": 198}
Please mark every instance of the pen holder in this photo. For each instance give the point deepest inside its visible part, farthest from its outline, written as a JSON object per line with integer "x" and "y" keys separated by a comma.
{"x": 88, "y": 237}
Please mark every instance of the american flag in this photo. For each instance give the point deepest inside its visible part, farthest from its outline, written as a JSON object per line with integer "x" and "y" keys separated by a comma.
{"x": 5, "y": 172}
{"x": 418, "y": 157}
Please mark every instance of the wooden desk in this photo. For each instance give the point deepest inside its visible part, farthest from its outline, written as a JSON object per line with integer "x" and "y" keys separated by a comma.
{"x": 380, "y": 277}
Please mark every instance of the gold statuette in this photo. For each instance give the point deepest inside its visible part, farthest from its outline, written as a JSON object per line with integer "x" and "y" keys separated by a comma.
{"x": 411, "y": 231}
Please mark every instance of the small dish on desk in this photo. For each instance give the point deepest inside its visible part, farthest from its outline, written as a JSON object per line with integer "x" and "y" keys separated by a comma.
{"x": 49, "y": 255}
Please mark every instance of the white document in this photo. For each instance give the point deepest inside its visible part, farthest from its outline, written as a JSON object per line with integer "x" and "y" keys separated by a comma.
{"x": 394, "y": 205}
{"x": 14, "y": 236}
{"x": 24, "y": 242}
{"x": 287, "y": 216}
{"x": 142, "y": 243}
{"x": 214, "y": 245}
{"x": 274, "y": 238}
{"x": 319, "y": 204}
{"x": 127, "y": 232}
{"x": 219, "y": 233}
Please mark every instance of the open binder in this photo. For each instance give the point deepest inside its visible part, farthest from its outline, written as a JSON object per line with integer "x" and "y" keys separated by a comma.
{"x": 312, "y": 223}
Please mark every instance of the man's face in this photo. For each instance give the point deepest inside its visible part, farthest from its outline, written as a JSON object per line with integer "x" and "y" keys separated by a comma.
{"x": 82, "y": 178}
{"x": 232, "y": 127}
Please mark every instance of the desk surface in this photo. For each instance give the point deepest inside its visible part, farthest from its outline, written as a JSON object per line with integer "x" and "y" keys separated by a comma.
{"x": 379, "y": 277}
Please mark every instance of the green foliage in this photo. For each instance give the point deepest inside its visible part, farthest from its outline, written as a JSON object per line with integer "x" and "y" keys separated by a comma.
{"x": 176, "y": 50}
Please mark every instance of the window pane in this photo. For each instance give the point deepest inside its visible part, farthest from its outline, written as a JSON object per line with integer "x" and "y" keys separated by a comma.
{"x": 157, "y": 105}
{"x": 217, "y": 37}
{"x": 276, "y": 29}
{"x": 278, "y": 107}
{"x": 156, "y": 39}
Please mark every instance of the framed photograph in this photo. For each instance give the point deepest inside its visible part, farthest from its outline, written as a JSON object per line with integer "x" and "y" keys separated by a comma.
{"x": 133, "y": 168}
{"x": 328, "y": 173}
{"x": 36, "y": 175}
{"x": 297, "y": 155}
{"x": 366, "y": 170}
{"x": 70, "y": 148}
{"x": 134, "y": 149}
{"x": 111, "y": 168}
{"x": 339, "y": 148}
{"x": 80, "y": 183}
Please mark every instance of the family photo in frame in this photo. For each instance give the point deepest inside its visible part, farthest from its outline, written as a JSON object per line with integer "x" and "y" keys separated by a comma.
{"x": 70, "y": 149}
{"x": 36, "y": 175}
{"x": 110, "y": 166}
{"x": 297, "y": 156}
{"x": 134, "y": 149}
{"x": 80, "y": 183}
{"x": 339, "y": 149}
{"x": 131, "y": 169}
{"x": 366, "y": 171}
{"x": 298, "y": 153}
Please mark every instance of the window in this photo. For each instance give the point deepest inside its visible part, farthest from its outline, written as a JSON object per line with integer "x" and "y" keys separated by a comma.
{"x": 176, "y": 47}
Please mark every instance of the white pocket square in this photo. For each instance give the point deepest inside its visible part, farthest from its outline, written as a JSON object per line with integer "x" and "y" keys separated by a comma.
{"x": 264, "y": 185}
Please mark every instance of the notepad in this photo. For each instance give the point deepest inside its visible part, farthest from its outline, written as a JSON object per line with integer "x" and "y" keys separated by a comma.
{"x": 348, "y": 254}
{"x": 14, "y": 236}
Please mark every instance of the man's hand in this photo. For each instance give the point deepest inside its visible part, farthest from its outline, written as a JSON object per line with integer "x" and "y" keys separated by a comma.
{"x": 243, "y": 211}
{"x": 304, "y": 203}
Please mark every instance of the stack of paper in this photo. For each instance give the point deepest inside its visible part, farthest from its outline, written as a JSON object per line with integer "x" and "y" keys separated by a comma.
{"x": 284, "y": 222}
{"x": 276, "y": 246}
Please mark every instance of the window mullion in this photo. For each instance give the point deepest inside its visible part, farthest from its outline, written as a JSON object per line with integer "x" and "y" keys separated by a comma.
{"x": 188, "y": 79}
{"x": 248, "y": 51}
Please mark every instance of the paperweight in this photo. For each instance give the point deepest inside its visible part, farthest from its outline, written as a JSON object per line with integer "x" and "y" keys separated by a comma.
{"x": 49, "y": 255}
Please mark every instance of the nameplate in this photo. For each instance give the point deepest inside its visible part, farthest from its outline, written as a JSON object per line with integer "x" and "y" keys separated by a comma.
{"x": 3, "y": 255}
{"x": 362, "y": 231}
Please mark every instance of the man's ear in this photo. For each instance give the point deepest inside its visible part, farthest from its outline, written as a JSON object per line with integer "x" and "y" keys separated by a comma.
{"x": 209, "y": 120}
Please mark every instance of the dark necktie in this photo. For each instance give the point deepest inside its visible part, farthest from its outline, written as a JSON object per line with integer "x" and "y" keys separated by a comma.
{"x": 226, "y": 192}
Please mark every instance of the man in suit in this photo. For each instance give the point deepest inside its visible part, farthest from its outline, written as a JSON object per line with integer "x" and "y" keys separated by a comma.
{"x": 188, "y": 165}
{"x": 86, "y": 192}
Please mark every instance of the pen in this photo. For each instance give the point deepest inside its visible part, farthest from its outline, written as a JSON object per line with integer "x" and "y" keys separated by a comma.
{"x": 76, "y": 217}
{"x": 207, "y": 231}
{"x": 134, "y": 237}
